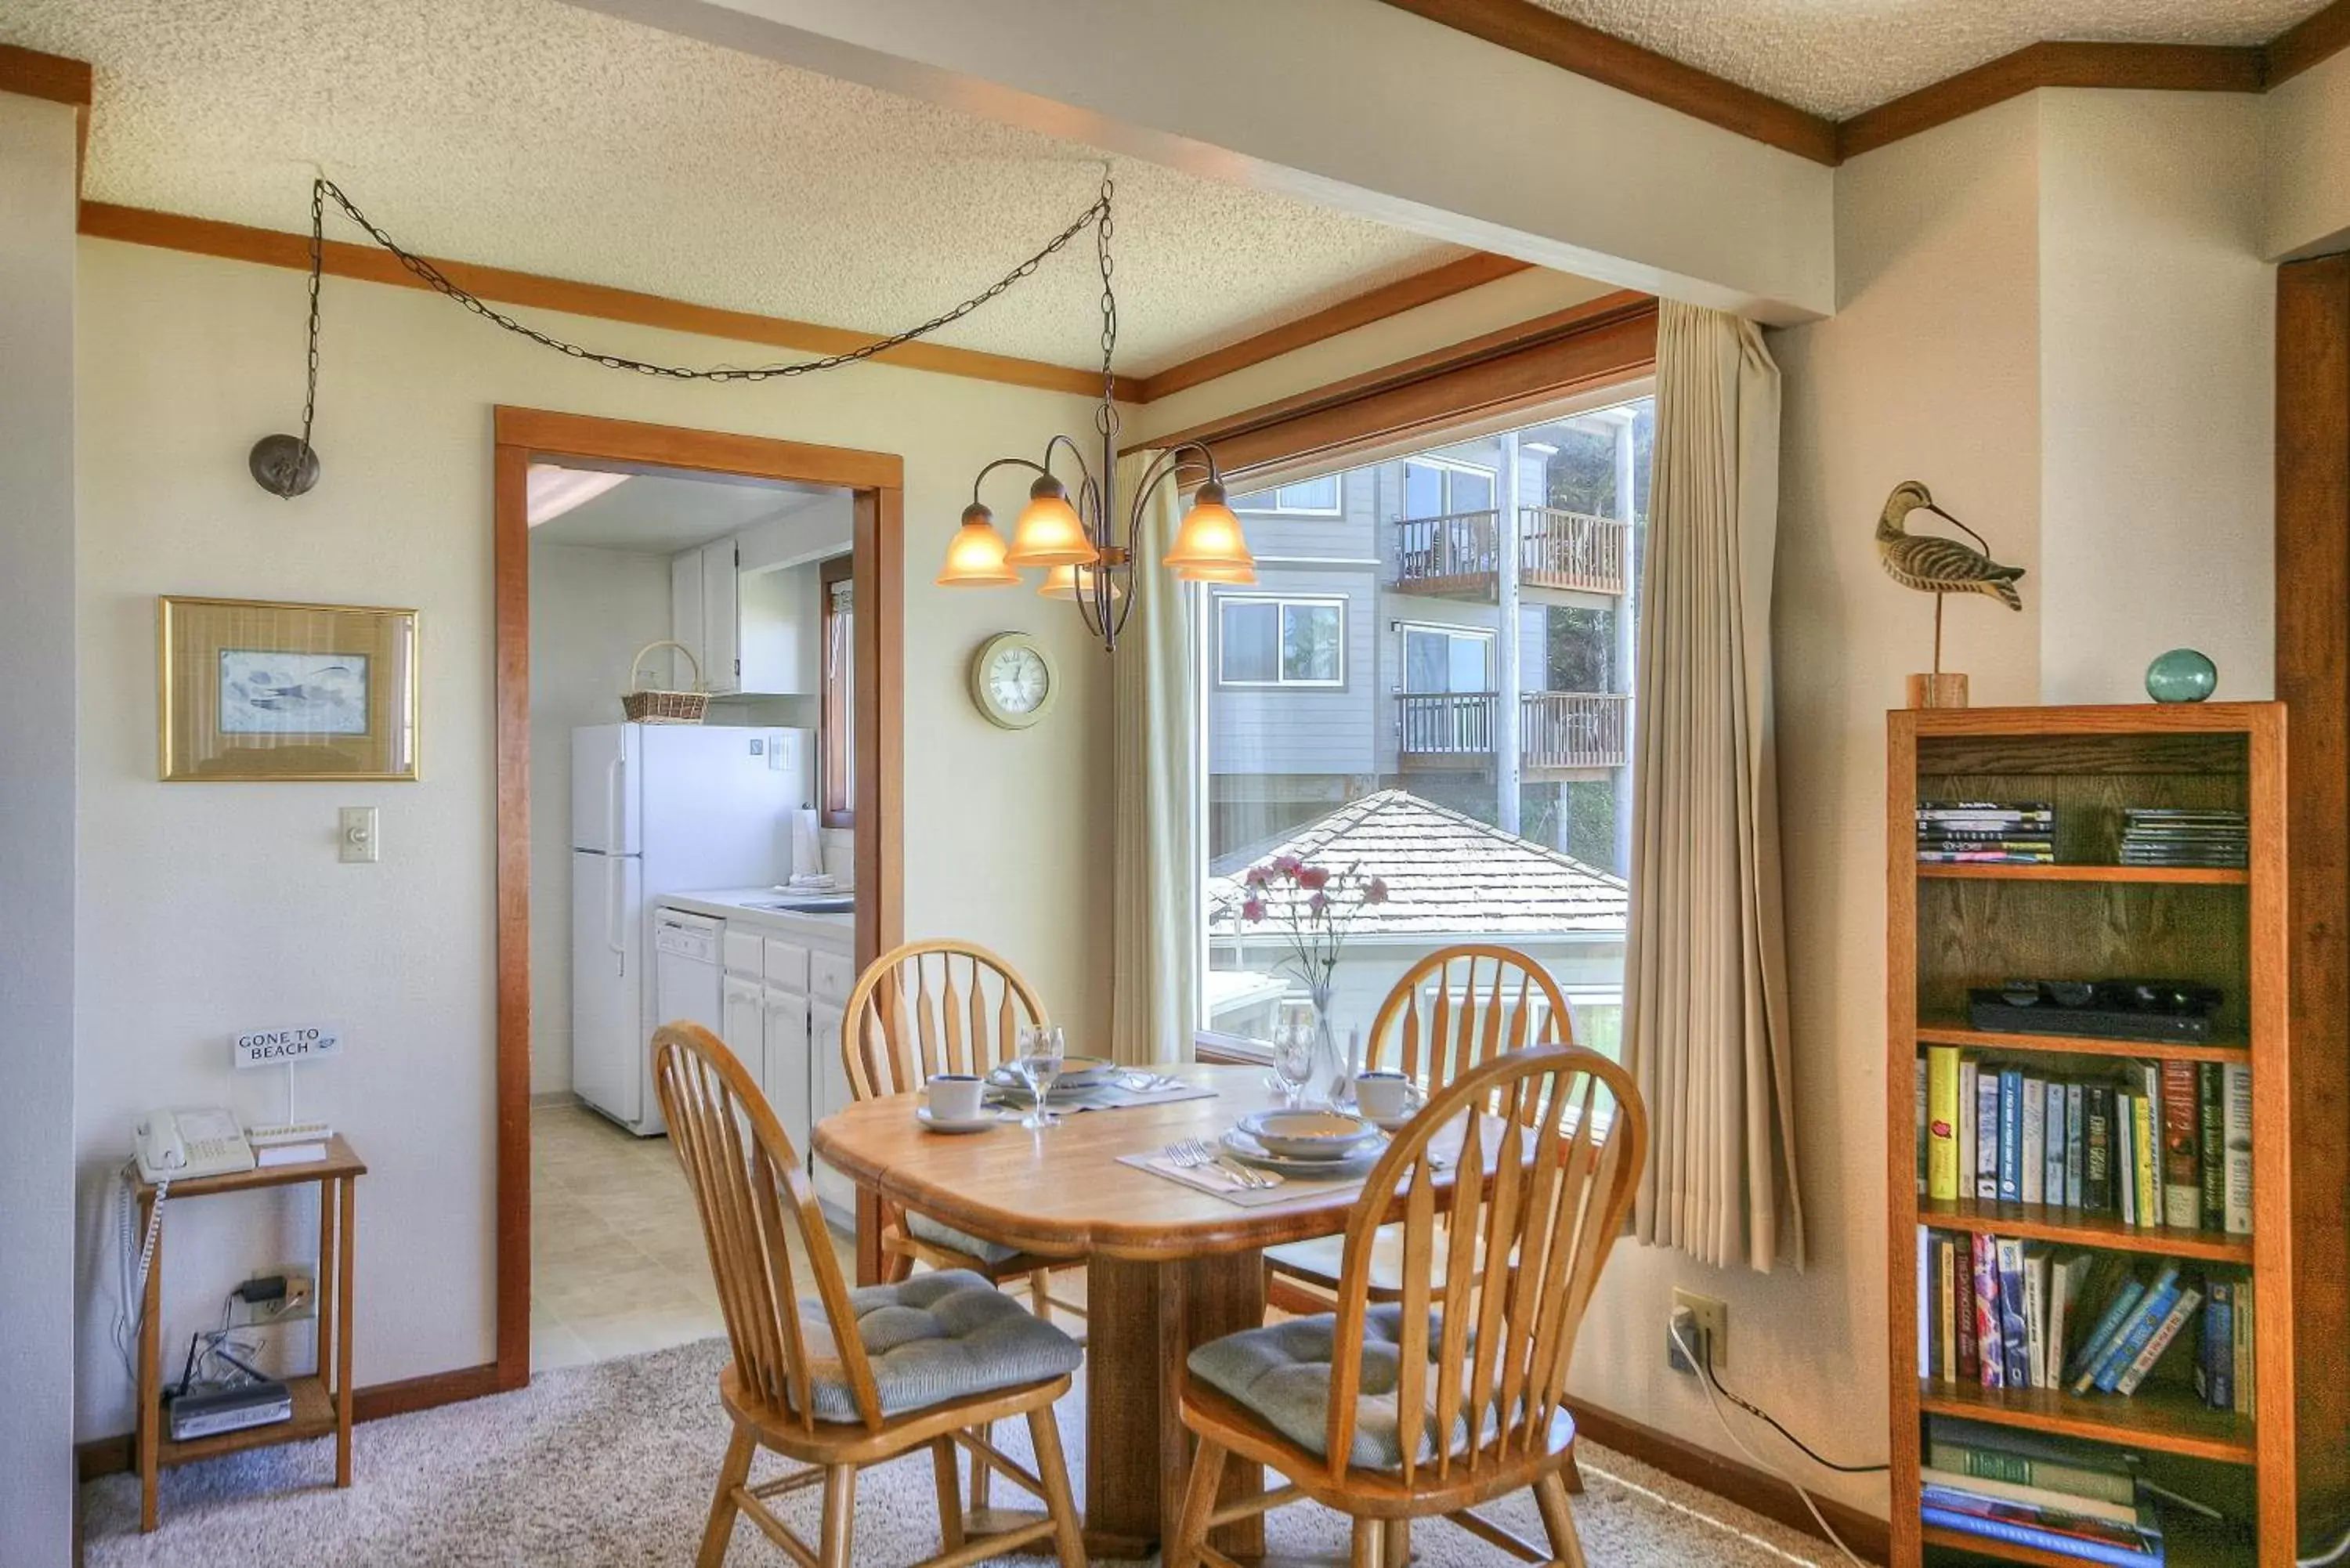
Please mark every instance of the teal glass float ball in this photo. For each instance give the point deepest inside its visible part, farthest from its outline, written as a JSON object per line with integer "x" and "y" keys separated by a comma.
{"x": 2182, "y": 675}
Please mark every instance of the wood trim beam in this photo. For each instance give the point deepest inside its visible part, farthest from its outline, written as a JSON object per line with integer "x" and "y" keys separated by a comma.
{"x": 2313, "y": 39}
{"x": 1529, "y": 29}
{"x": 1377, "y": 305}
{"x": 368, "y": 263}
{"x": 2176, "y": 68}
{"x": 1610, "y": 339}
{"x": 52, "y": 76}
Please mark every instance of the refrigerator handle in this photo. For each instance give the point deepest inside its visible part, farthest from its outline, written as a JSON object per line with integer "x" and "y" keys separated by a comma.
{"x": 616, "y": 876}
{"x": 615, "y": 810}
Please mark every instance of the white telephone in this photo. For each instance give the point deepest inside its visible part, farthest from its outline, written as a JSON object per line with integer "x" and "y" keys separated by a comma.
{"x": 184, "y": 1144}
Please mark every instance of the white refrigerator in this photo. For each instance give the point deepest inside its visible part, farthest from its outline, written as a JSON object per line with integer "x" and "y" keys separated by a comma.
{"x": 659, "y": 809}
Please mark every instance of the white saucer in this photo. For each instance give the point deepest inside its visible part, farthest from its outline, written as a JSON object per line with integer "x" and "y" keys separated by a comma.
{"x": 1391, "y": 1123}
{"x": 979, "y": 1123}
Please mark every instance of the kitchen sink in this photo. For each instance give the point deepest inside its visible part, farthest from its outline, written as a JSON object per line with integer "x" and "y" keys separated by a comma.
{"x": 836, "y": 905}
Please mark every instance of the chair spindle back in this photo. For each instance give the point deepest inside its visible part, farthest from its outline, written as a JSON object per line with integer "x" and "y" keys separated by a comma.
{"x": 1565, "y": 1135}
{"x": 753, "y": 1195}
{"x": 1462, "y": 1006}
{"x": 932, "y": 1007}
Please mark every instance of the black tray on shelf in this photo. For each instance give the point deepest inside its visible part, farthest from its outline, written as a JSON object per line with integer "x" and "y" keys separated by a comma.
{"x": 2152, "y": 1010}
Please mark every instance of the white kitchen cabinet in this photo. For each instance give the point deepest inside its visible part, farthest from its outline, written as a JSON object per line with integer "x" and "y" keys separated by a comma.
{"x": 706, "y": 613}
{"x": 786, "y": 1037}
{"x": 745, "y": 1030}
{"x": 829, "y": 1078}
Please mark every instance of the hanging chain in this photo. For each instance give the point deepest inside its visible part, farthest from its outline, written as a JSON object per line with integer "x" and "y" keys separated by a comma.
{"x": 433, "y": 278}
{"x": 318, "y": 266}
{"x": 1106, "y": 417}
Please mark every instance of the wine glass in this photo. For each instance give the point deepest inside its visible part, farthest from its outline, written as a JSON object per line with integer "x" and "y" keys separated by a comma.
{"x": 1039, "y": 1064}
{"x": 1293, "y": 1050}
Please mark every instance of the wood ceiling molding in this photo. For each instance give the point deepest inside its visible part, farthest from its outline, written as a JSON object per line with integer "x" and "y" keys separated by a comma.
{"x": 52, "y": 76}
{"x": 2315, "y": 39}
{"x": 1529, "y": 29}
{"x": 2176, "y": 68}
{"x": 1421, "y": 288}
{"x": 270, "y": 247}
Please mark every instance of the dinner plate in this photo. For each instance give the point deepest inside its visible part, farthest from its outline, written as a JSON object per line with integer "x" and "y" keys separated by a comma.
{"x": 1076, "y": 1072}
{"x": 1310, "y": 1134}
{"x": 980, "y": 1123}
{"x": 1248, "y": 1151}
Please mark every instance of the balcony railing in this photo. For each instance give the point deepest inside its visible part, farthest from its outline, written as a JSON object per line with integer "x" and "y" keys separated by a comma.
{"x": 1557, "y": 730}
{"x": 1457, "y": 554}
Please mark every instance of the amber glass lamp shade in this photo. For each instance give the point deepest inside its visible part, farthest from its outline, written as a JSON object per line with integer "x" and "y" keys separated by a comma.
{"x": 975, "y": 554}
{"x": 1048, "y": 532}
{"x": 1209, "y": 547}
{"x": 1068, "y": 582}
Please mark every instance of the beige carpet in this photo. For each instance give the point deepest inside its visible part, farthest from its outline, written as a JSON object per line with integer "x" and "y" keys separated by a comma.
{"x": 611, "y": 1463}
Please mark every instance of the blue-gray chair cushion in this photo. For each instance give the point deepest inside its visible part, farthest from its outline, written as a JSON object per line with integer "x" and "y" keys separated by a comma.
{"x": 939, "y": 1234}
{"x": 933, "y": 1338}
{"x": 1281, "y": 1373}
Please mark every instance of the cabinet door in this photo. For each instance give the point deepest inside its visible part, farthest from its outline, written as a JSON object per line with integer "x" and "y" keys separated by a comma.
{"x": 721, "y": 618}
{"x": 744, "y": 1027}
{"x": 828, "y": 1078}
{"x": 787, "y": 1079}
{"x": 685, "y": 615}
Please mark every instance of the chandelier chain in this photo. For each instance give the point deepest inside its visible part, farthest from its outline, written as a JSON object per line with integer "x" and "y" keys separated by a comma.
{"x": 435, "y": 279}
{"x": 1106, "y": 417}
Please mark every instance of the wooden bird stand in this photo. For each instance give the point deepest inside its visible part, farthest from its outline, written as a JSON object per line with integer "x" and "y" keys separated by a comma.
{"x": 1937, "y": 689}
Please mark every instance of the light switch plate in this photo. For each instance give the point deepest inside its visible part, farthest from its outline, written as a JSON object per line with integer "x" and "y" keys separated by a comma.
{"x": 355, "y": 830}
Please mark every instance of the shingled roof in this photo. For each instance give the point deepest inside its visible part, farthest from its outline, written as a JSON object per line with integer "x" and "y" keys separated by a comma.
{"x": 1447, "y": 874}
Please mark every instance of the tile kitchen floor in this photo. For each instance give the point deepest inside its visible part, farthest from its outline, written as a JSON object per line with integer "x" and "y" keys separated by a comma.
{"x": 617, "y": 1259}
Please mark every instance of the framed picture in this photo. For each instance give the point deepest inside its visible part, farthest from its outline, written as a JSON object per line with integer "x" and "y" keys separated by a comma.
{"x": 259, "y": 691}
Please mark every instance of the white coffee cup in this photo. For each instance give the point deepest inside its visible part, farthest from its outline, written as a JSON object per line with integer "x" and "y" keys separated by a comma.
{"x": 955, "y": 1096}
{"x": 1384, "y": 1097}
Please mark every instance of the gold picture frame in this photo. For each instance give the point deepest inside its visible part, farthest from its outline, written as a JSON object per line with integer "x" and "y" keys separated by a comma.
{"x": 251, "y": 689}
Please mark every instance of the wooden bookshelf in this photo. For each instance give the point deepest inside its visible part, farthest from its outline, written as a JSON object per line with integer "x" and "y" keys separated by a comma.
{"x": 1952, "y": 927}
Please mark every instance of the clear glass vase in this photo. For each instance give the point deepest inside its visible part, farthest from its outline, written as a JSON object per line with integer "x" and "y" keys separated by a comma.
{"x": 1334, "y": 1075}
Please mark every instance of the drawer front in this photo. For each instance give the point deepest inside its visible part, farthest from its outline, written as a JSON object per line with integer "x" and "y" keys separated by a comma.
{"x": 742, "y": 955}
{"x": 830, "y": 976}
{"x": 787, "y": 965}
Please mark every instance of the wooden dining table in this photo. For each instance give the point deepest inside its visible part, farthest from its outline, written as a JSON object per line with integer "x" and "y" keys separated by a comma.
{"x": 1168, "y": 1267}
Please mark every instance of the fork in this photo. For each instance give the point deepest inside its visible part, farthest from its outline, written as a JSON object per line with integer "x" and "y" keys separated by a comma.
{"x": 1190, "y": 1154}
{"x": 1247, "y": 1176}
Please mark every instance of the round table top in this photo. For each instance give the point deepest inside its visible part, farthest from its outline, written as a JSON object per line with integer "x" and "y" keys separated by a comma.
{"x": 1061, "y": 1190}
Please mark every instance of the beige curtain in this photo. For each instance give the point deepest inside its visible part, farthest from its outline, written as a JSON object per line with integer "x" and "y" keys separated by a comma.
{"x": 1705, "y": 1025}
{"x": 1154, "y": 973}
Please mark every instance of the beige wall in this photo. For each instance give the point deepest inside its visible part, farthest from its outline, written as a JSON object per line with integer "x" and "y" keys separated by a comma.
{"x": 590, "y": 610}
{"x": 2305, "y": 173}
{"x": 207, "y": 907}
{"x": 38, "y": 884}
{"x": 2157, "y": 362}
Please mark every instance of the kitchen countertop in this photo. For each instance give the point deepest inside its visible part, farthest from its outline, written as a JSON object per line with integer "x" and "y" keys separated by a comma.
{"x": 731, "y": 905}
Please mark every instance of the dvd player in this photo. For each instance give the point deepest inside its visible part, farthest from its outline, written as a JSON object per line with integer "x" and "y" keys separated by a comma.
{"x": 208, "y": 1409}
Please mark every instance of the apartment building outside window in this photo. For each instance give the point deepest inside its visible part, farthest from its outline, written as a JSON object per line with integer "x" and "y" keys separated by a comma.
{"x": 1432, "y": 679}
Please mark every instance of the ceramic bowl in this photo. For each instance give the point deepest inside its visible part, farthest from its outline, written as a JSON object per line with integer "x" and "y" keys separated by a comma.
{"x": 1308, "y": 1135}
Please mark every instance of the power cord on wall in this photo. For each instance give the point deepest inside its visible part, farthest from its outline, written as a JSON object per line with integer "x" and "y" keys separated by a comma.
{"x": 133, "y": 1279}
{"x": 1765, "y": 1416}
{"x": 1707, "y": 1385}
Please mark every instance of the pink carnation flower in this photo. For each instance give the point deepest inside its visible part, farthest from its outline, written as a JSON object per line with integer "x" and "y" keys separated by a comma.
{"x": 1253, "y": 910}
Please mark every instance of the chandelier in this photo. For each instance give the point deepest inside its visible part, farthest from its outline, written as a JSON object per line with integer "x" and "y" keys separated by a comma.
{"x": 1085, "y": 541}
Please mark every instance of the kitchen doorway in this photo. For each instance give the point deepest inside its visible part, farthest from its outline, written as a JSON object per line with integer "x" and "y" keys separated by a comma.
{"x": 630, "y": 500}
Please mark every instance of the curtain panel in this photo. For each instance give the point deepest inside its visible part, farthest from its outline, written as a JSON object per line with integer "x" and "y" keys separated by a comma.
{"x": 1155, "y": 941}
{"x": 1705, "y": 1025}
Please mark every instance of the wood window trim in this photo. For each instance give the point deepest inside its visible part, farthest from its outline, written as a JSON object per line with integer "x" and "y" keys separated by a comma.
{"x": 837, "y": 766}
{"x": 877, "y": 481}
{"x": 1608, "y": 340}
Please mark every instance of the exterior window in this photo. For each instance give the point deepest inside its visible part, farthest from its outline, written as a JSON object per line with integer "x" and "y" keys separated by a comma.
{"x": 1281, "y": 642}
{"x": 1306, "y": 498}
{"x": 1444, "y": 658}
{"x": 836, "y": 734}
{"x": 1365, "y": 710}
{"x": 1432, "y": 489}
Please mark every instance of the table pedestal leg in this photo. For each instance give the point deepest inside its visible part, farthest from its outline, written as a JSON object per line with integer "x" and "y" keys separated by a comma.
{"x": 1143, "y": 1320}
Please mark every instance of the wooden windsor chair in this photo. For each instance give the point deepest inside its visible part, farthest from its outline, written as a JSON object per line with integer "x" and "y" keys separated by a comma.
{"x": 804, "y": 1382}
{"x": 931, "y": 1007}
{"x": 1454, "y": 1010}
{"x": 1428, "y": 1406}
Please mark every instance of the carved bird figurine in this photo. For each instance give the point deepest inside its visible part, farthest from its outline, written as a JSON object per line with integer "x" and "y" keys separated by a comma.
{"x": 1933, "y": 564}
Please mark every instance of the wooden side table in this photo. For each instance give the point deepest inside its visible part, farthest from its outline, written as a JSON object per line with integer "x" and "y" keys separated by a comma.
{"x": 322, "y": 1401}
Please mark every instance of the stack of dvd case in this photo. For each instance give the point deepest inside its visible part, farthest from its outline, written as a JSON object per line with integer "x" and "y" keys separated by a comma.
{"x": 2155, "y": 836}
{"x": 1964, "y": 832}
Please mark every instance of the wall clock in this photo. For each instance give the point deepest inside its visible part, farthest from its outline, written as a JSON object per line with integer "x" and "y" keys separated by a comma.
{"x": 1012, "y": 682}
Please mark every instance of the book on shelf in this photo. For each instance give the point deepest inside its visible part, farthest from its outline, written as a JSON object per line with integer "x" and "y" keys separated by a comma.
{"x": 2176, "y": 1319}
{"x": 2120, "y": 1145}
{"x": 2057, "y": 1467}
{"x": 2049, "y": 1530}
{"x": 2114, "y": 1357}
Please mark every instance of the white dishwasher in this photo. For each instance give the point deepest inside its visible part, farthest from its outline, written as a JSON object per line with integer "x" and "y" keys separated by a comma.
{"x": 688, "y": 980}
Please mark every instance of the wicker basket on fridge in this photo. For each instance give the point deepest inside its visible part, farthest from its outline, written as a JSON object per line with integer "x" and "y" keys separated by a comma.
{"x": 644, "y": 705}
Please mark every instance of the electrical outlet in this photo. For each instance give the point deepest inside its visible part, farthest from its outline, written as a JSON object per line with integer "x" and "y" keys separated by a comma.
{"x": 299, "y": 1302}
{"x": 1706, "y": 1330}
